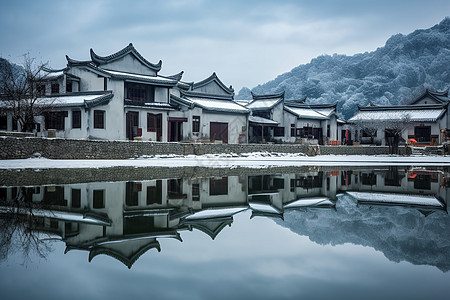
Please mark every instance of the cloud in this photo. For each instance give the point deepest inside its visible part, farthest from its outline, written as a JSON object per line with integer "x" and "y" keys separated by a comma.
{"x": 245, "y": 42}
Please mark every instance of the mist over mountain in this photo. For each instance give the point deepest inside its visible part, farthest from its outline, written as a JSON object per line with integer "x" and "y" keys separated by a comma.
{"x": 391, "y": 75}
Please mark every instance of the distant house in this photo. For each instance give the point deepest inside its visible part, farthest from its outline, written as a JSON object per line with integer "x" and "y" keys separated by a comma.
{"x": 314, "y": 123}
{"x": 274, "y": 119}
{"x": 424, "y": 122}
{"x": 266, "y": 121}
{"x": 206, "y": 112}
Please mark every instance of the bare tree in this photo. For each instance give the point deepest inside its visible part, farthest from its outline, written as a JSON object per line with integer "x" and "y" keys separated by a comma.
{"x": 21, "y": 92}
{"x": 392, "y": 123}
{"x": 19, "y": 224}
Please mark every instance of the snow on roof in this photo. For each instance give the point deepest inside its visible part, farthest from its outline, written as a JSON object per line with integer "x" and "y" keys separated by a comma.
{"x": 263, "y": 103}
{"x": 217, "y": 104}
{"x": 310, "y": 202}
{"x": 400, "y": 199}
{"x": 419, "y": 115}
{"x": 325, "y": 111}
{"x": 70, "y": 100}
{"x": 142, "y": 77}
{"x": 261, "y": 120}
{"x": 267, "y": 208}
{"x": 216, "y": 213}
{"x": 61, "y": 215}
{"x": 307, "y": 113}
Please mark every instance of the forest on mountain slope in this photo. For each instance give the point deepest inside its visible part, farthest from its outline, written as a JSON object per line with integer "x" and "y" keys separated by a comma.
{"x": 393, "y": 74}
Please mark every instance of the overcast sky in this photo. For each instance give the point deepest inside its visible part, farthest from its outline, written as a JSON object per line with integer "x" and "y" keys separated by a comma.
{"x": 245, "y": 42}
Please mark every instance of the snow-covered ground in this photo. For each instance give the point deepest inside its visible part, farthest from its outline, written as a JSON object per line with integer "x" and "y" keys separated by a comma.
{"x": 251, "y": 160}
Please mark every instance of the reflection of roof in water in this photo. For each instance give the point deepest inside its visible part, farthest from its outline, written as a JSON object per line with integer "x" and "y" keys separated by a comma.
{"x": 311, "y": 202}
{"x": 90, "y": 218}
{"x": 211, "y": 226}
{"x": 396, "y": 199}
{"x": 216, "y": 213}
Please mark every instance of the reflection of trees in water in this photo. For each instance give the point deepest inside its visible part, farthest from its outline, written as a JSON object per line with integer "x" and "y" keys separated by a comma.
{"x": 19, "y": 226}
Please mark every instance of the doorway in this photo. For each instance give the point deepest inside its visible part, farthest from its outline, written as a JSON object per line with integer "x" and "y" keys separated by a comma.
{"x": 132, "y": 120}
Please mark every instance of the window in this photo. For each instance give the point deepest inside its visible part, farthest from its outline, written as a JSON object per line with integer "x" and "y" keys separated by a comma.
{"x": 218, "y": 186}
{"x": 55, "y": 120}
{"x": 292, "y": 129}
{"x": 3, "y": 122}
{"x": 69, "y": 86}
{"x": 41, "y": 89}
{"x": 278, "y": 131}
{"x": 76, "y": 119}
{"x": 99, "y": 199}
{"x": 195, "y": 192}
{"x": 76, "y": 198}
{"x": 175, "y": 189}
{"x": 196, "y": 124}
{"x": 99, "y": 119}
{"x": 139, "y": 92}
{"x": 328, "y": 131}
{"x": 154, "y": 193}
{"x": 132, "y": 194}
{"x": 105, "y": 83}
{"x": 151, "y": 122}
{"x": 55, "y": 88}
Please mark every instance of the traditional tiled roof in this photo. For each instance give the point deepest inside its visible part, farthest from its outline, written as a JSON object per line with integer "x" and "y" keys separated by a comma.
{"x": 264, "y": 104}
{"x": 51, "y": 74}
{"x": 306, "y": 113}
{"x": 211, "y": 226}
{"x": 310, "y": 202}
{"x": 397, "y": 199}
{"x": 262, "y": 121}
{"x": 440, "y": 97}
{"x": 100, "y": 60}
{"x": 217, "y": 103}
{"x": 86, "y": 64}
{"x": 156, "y": 80}
{"x": 414, "y": 113}
{"x": 149, "y": 105}
{"x": 127, "y": 260}
{"x": 216, "y": 212}
{"x": 83, "y": 99}
{"x": 267, "y": 96}
{"x": 216, "y": 79}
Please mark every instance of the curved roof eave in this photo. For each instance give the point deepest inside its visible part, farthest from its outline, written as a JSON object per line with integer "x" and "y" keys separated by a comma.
{"x": 215, "y": 78}
{"x": 100, "y": 60}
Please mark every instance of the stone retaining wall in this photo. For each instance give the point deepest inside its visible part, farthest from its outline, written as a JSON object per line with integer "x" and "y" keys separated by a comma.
{"x": 25, "y": 147}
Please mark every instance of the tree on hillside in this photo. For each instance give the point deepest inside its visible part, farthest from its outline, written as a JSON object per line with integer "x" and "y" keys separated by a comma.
{"x": 21, "y": 91}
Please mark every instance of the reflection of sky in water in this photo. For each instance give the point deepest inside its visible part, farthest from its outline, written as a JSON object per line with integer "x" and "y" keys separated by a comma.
{"x": 252, "y": 259}
{"x": 350, "y": 250}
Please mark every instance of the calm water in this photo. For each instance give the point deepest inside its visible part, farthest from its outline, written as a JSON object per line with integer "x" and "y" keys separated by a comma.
{"x": 319, "y": 234}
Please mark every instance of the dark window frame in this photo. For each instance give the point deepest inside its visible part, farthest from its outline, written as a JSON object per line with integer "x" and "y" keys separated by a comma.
{"x": 76, "y": 119}
{"x": 99, "y": 119}
{"x": 196, "y": 124}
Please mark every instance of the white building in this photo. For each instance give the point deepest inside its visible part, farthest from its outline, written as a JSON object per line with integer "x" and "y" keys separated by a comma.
{"x": 206, "y": 112}
{"x": 424, "y": 121}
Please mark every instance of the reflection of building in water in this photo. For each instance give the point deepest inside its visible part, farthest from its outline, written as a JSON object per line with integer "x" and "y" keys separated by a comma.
{"x": 126, "y": 219}
{"x": 423, "y": 189}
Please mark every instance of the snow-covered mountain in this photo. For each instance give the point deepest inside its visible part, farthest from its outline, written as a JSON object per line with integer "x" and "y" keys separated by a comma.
{"x": 393, "y": 74}
{"x": 401, "y": 234}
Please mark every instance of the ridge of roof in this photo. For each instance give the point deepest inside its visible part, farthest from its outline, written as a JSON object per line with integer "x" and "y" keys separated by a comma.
{"x": 99, "y": 60}
{"x": 213, "y": 77}
{"x": 267, "y": 96}
{"x": 434, "y": 95}
{"x": 402, "y": 107}
{"x": 312, "y": 106}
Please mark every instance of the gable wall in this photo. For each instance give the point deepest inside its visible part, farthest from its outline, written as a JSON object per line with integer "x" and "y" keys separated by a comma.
{"x": 129, "y": 64}
{"x": 211, "y": 88}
